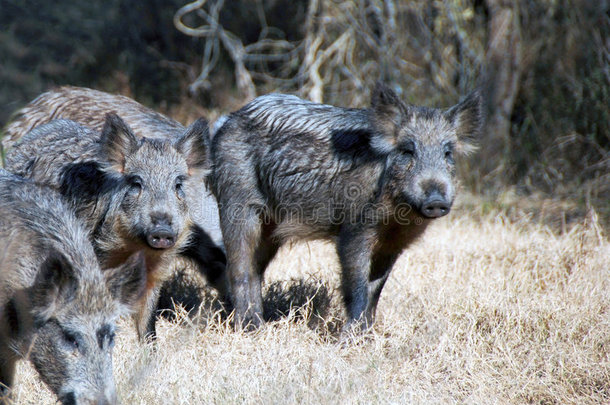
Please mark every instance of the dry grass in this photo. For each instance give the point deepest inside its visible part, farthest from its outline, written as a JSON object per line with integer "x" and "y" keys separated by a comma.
{"x": 482, "y": 310}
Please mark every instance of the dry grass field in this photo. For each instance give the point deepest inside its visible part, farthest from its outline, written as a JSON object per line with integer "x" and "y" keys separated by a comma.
{"x": 483, "y": 310}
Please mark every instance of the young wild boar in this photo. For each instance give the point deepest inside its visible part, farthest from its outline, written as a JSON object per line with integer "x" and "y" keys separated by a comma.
{"x": 369, "y": 179}
{"x": 134, "y": 194}
{"x": 57, "y": 307}
{"x": 89, "y": 107}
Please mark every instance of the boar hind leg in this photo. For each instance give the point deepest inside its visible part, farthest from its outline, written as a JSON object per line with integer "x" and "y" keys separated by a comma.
{"x": 266, "y": 249}
{"x": 242, "y": 235}
{"x": 210, "y": 259}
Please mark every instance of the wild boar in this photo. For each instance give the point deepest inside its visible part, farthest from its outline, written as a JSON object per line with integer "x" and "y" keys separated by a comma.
{"x": 132, "y": 193}
{"x": 370, "y": 180}
{"x": 57, "y": 307}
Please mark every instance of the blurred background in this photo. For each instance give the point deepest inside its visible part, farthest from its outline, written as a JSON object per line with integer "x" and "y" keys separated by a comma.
{"x": 542, "y": 65}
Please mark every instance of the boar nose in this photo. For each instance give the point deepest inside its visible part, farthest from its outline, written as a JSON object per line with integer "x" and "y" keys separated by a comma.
{"x": 161, "y": 236}
{"x": 435, "y": 206}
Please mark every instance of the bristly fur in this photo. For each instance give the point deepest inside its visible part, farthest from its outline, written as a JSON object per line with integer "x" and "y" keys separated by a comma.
{"x": 290, "y": 114}
{"x": 88, "y": 107}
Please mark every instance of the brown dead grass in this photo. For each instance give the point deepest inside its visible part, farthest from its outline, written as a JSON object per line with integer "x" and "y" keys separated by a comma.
{"x": 483, "y": 310}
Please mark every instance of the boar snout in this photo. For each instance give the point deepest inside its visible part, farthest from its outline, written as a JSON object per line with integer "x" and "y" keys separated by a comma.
{"x": 161, "y": 236}
{"x": 435, "y": 205}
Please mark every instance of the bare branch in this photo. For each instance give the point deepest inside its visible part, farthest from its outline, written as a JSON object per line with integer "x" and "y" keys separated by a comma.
{"x": 214, "y": 32}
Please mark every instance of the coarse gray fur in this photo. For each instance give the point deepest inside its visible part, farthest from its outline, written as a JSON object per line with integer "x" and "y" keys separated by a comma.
{"x": 88, "y": 107}
{"x": 57, "y": 308}
{"x": 368, "y": 179}
{"x": 133, "y": 193}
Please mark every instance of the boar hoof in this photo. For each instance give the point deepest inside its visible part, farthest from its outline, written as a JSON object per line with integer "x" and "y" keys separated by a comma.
{"x": 250, "y": 323}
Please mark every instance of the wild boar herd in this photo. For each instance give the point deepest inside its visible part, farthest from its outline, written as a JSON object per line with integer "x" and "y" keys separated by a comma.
{"x": 101, "y": 196}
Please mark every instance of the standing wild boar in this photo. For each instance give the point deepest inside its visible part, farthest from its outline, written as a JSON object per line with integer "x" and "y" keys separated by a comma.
{"x": 57, "y": 307}
{"x": 134, "y": 194}
{"x": 369, "y": 179}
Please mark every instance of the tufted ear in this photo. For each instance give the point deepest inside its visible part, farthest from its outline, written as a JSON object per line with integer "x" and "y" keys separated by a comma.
{"x": 55, "y": 282}
{"x": 387, "y": 111}
{"x": 117, "y": 141}
{"x": 127, "y": 283}
{"x": 194, "y": 145}
{"x": 467, "y": 119}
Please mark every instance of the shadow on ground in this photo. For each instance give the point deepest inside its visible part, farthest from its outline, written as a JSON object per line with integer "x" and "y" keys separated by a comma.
{"x": 312, "y": 301}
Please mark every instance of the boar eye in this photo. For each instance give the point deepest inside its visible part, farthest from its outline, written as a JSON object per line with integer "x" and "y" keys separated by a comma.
{"x": 71, "y": 340}
{"x": 408, "y": 149}
{"x": 449, "y": 151}
{"x": 180, "y": 187}
{"x": 135, "y": 182}
{"x": 105, "y": 337}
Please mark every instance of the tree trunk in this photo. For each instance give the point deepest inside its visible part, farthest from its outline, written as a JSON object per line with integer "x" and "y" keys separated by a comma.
{"x": 503, "y": 74}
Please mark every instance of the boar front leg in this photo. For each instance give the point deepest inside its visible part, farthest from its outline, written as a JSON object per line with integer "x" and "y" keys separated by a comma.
{"x": 381, "y": 265}
{"x": 146, "y": 317}
{"x": 355, "y": 250}
{"x": 365, "y": 268}
{"x": 7, "y": 373}
{"x": 10, "y": 324}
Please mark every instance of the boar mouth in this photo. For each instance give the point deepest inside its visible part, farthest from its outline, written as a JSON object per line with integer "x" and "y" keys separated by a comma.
{"x": 161, "y": 237}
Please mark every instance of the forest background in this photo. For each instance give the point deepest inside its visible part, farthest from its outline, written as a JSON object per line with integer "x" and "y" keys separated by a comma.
{"x": 542, "y": 65}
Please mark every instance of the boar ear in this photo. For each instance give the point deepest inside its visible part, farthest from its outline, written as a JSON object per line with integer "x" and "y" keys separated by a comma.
{"x": 127, "y": 283}
{"x": 117, "y": 141}
{"x": 467, "y": 119}
{"x": 55, "y": 281}
{"x": 194, "y": 145}
{"x": 387, "y": 112}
